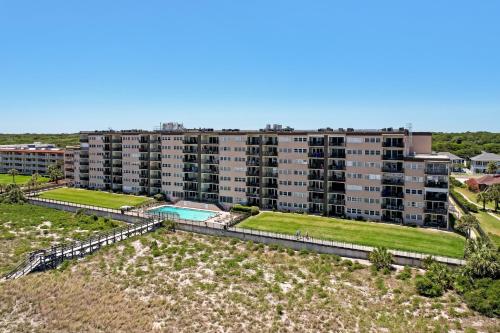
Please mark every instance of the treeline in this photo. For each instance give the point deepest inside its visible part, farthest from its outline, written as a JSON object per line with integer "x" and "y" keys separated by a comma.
{"x": 60, "y": 140}
{"x": 467, "y": 144}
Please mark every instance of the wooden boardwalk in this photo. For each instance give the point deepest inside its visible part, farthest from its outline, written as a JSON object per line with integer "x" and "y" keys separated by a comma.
{"x": 52, "y": 257}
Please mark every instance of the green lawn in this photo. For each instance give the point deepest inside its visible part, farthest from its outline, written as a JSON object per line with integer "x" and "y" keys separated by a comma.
{"x": 472, "y": 197}
{"x": 490, "y": 225}
{"x": 20, "y": 179}
{"x": 94, "y": 198}
{"x": 364, "y": 233}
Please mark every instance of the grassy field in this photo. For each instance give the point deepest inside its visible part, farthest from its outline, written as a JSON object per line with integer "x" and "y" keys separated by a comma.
{"x": 60, "y": 140}
{"x": 20, "y": 179}
{"x": 94, "y": 198}
{"x": 364, "y": 233}
{"x": 24, "y": 228}
{"x": 490, "y": 225}
{"x": 472, "y": 197}
{"x": 181, "y": 282}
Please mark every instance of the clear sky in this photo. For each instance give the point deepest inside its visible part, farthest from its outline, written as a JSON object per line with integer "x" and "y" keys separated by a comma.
{"x": 83, "y": 65}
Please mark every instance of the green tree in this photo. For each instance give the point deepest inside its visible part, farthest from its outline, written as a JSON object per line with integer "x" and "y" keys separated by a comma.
{"x": 55, "y": 173}
{"x": 13, "y": 173}
{"x": 483, "y": 260}
{"x": 466, "y": 223}
{"x": 491, "y": 167}
{"x": 483, "y": 197}
{"x": 494, "y": 193}
{"x": 13, "y": 195}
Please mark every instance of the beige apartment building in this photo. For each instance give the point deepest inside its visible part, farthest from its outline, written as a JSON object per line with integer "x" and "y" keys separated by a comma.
{"x": 30, "y": 158}
{"x": 382, "y": 175}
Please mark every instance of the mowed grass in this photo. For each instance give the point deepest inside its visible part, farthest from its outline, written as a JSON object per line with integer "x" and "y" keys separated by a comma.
{"x": 490, "y": 225}
{"x": 364, "y": 233}
{"x": 20, "y": 179}
{"x": 94, "y": 198}
{"x": 473, "y": 197}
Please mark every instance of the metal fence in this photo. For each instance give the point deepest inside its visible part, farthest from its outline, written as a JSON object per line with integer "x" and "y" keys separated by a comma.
{"x": 272, "y": 235}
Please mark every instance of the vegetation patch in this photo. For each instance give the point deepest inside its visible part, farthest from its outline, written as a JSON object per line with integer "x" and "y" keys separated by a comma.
{"x": 94, "y": 198}
{"x": 364, "y": 233}
{"x": 20, "y": 180}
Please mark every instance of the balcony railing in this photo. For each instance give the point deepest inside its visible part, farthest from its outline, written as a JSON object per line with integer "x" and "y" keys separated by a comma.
{"x": 436, "y": 184}
{"x": 436, "y": 197}
{"x": 270, "y": 185}
{"x": 253, "y": 173}
{"x": 189, "y": 150}
{"x": 393, "y": 181}
{"x": 316, "y": 177}
{"x": 336, "y": 179}
{"x": 252, "y": 152}
{"x": 270, "y": 153}
{"x": 268, "y": 174}
{"x": 436, "y": 210}
{"x": 393, "y": 194}
{"x": 190, "y": 179}
{"x": 253, "y": 142}
{"x": 436, "y": 171}
{"x": 211, "y": 171}
{"x": 392, "y": 157}
{"x": 336, "y": 202}
{"x": 336, "y": 167}
{"x": 393, "y": 207}
{"x": 395, "y": 144}
{"x": 253, "y": 184}
{"x": 272, "y": 164}
{"x": 315, "y": 189}
{"x": 316, "y": 143}
{"x": 253, "y": 163}
{"x": 190, "y": 169}
{"x": 392, "y": 170}
{"x": 316, "y": 155}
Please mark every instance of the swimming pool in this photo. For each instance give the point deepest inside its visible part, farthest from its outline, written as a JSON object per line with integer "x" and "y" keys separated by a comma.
{"x": 186, "y": 213}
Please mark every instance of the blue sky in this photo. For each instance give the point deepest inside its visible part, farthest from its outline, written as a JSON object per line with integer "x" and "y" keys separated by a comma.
{"x": 80, "y": 65}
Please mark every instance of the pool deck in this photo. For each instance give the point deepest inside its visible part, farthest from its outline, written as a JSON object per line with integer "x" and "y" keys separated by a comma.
{"x": 220, "y": 217}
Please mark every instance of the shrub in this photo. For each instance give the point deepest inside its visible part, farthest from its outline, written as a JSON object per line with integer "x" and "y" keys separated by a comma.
{"x": 427, "y": 287}
{"x": 484, "y": 297}
{"x": 463, "y": 202}
{"x": 381, "y": 258}
{"x": 455, "y": 183}
{"x": 159, "y": 197}
{"x": 253, "y": 210}
{"x": 405, "y": 274}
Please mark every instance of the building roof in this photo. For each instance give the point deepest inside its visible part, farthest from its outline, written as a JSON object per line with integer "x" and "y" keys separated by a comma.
{"x": 486, "y": 157}
{"x": 29, "y": 151}
{"x": 428, "y": 157}
{"x": 450, "y": 155}
{"x": 488, "y": 180}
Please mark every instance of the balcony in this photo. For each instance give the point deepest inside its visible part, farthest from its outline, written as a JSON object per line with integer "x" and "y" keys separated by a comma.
{"x": 190, "y": 150}
{"x": 269, "y": 174}
{"x": 436, "y": 184}
{"x": 190, "y": 179}
{"x": 270, "y": 196}
{"x": 270, "y": 142}
{"x": 270, "y": 185}
{"x": 392, "y": 219}
{"x": 191, "y": 141}
{"x": 252, "y": 152}
{"x": 209, "y": 151}
{"x": 210, "y": 180}
{"x": 317, "y": 154}
{"x": 336, "y": 202}
{"x": 253, "y": 142}
{"x": 393, "y": 144}
{"x": 336, "y": 167}
{"x": 393, "y": 181}
{"x": 316, "y": 177}
{"x": 393, "y": 207}
{"x": 393, "y": 169}
{"x": 314, "y": 165}
{"x": 271, "y": 164}
{"x": 317, "y": 143}
{"x": 391, "y": 157}
{"x": 436, "y": 210}
{"x": 437, "y": 171}
{"x": 253, "y": 184}
{"x": 317, "y": 200}
{"x": 190, "y": 169}
{"x": 336, "y": 188}
{"x": 270, "y": 153}
{"x": 210, "y": 161}
{"x": 393, "y": 194}
{"x": 336, "y": 143}
{"x": 436, "y": 197}
{"x": 253, "y": 173}
{"x": 190, "y": 188}
{"x": 337, "y": 155}
{"x": 313, "y": 188}
{"x": 253, "y": 194}
{"x": 253, "y": 163}
{"x": 336, "y": 179}
{"x": 210, "y": 171}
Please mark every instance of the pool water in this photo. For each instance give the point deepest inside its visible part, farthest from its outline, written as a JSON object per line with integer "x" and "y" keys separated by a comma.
{"x": 186, "y": 213}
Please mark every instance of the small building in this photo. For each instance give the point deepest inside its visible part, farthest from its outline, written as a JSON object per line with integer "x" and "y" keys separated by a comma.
{"x": 30, "y": 158}
{"x": 457, "y": 163}
{"x": 482, "y": 183}
{"x": 479, "y": 163}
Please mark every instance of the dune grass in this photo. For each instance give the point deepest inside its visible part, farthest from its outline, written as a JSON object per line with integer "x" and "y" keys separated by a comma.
{"x": 364, "y": 233}
{"x": 94, "y": 198}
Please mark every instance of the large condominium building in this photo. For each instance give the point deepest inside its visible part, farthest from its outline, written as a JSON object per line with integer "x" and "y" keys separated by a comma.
{"x": 387, "y": 174}
{"x": 30, "y": 158}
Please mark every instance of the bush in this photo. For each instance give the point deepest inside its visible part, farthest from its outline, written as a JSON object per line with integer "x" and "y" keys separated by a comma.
{"x": 484, "y": 297}
{"x": 405, "y": 274}
{"x": 463, "y": 203}
{"x": 427, "y": 287}
{"x": 381, "y": 258}
{"x": 159, "y": 197}
{"x": 253, "y": 210}
{"x": 455, "y": 183}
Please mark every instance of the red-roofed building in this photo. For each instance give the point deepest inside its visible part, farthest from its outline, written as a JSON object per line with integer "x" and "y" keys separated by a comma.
{"x": 483, "y": 182}
{"x": 30, "y": 158}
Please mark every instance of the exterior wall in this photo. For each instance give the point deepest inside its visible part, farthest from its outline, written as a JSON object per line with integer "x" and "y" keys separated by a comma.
{"x": 132, "y": 165}
{"x": 414, "y": 192}
{"x": 363, "y": 176}
{"x": 293, "y": 173}
{"x": 422, "y": 144}
{"x": 69, "y": 163}
{"x": 232, "y": 169}
{"x": 481, "y": 166}
{"x": 97, "y": 177}
{"x": 172, "y": 182}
